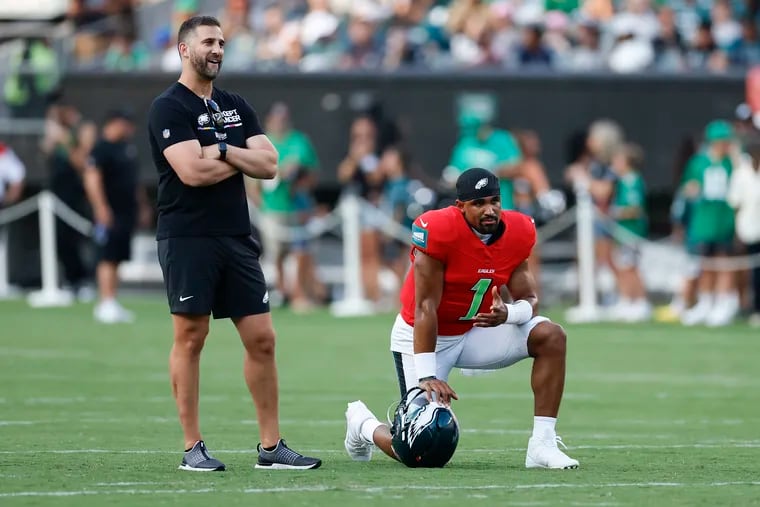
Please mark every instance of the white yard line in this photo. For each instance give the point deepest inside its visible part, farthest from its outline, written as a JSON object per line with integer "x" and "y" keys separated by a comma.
{"x": 165, "y": 420}
{"x": 527, "y": 395}
{"x": 378, "y": 489}
{"x": 576, "y": 436}
{"x": 43, "y": 353}
{"x": 665, "y": 379}
{"x": 63, "y": 400}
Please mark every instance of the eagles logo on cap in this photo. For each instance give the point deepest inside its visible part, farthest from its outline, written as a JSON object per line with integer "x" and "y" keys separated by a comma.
{"x": 477, "y": 183}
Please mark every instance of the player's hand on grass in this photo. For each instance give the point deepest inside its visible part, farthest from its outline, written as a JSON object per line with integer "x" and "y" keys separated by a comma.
{"x": 498, "y": 314}
{"x": 443, "y": 391}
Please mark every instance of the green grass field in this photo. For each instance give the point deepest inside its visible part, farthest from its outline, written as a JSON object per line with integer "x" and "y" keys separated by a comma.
{"x": 656, "y": 414}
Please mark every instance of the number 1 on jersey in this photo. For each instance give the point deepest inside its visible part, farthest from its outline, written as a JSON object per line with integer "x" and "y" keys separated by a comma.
{"x": 480, "y": 290}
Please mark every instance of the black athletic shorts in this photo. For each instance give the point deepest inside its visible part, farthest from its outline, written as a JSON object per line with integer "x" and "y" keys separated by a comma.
{"x": 219, "y": 275}
{"x": 116, "y": 245}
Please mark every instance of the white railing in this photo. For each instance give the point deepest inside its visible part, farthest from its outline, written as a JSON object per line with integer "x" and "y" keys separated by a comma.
{"x": 346, "y": 218}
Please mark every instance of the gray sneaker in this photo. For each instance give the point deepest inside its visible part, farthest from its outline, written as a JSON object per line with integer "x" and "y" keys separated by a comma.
{"x": 283, "y": 457}
{"x": 198, "y": 459}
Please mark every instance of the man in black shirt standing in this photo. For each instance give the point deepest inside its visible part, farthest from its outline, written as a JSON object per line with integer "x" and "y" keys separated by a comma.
{"x": 203, "y": 141}
{"x": 110, "y": 180}
{"x": 67, "y": 143}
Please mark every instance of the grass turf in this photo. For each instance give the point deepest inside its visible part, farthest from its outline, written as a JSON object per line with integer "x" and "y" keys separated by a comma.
{"x": 657, "y": 415}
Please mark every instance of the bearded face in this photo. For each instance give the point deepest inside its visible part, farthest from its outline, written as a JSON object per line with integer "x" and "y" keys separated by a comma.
{"x": 205, "y": 51}
{"x": 205, "y": 64}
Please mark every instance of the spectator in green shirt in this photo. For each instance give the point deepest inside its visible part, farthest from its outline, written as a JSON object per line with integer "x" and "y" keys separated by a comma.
{"x": 710, "y": 233}
{"x": 629, "y": 212}
{"x": 482, "y": 145}
{"x": 286, "y": 205}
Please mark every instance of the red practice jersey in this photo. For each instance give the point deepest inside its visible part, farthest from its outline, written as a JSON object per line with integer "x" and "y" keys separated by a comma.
{"x": 471, "y": 269}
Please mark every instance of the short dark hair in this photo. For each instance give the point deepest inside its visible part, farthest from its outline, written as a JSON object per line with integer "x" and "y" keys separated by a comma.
{"x": 189, "y": 25}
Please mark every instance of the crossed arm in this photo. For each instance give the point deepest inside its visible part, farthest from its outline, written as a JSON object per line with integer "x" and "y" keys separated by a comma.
{"x": 199, "y": 166}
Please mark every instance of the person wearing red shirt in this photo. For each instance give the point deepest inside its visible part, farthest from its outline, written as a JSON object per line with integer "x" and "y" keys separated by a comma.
{"x": 470, "y": 302}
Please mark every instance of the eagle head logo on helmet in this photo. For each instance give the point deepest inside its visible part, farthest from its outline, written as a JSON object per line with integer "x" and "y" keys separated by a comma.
{"x": 425, "y": 433}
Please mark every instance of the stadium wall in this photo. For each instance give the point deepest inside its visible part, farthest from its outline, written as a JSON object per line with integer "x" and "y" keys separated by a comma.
{"x": 655, "y": 111}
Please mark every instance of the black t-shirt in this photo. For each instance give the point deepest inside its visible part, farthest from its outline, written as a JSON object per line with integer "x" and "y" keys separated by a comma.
{"x": 65, "y": 180}
{"x": 221, "y": 209}
{"x": 117, "y": 163}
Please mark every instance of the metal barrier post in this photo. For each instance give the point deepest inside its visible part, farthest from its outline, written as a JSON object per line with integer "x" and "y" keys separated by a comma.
{"x": 353, "y": 302}
{"x": 50, "y": 294}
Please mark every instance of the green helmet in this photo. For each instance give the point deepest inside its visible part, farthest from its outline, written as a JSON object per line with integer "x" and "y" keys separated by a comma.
{"x": 425, "y": 434}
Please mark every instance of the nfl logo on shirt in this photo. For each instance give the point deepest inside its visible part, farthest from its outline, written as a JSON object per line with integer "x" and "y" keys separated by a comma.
{"x": 166, "y": 133}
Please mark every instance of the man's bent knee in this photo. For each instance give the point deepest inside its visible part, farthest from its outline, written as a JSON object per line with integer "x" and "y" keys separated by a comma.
{"x": 547, "y": 338}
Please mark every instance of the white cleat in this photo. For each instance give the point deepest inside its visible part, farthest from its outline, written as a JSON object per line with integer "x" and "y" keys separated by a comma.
{"x": 111, "y": 312}
{"x": 544, "y": 453}
{"x": 357, "y": 446}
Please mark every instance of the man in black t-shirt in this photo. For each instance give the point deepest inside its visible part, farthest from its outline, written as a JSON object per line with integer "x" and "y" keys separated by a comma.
{"x": 203, "y": 141}
{"x": 67, "y": 143}
{"x": 110, "y": 179}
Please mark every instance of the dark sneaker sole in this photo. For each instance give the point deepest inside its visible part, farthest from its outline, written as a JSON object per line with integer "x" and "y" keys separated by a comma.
{"x": 282, "y": 466}
{"x": 189, "y": 468}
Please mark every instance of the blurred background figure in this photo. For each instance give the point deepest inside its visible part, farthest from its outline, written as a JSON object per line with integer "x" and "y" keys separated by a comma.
{"x": 604, "y": 138}
{"x": 67, "y": 143}
{"x": 744, "y": 196}
{"x": 322, "y": 35}
{"x": 669, "y": 45}
{"x": 240, "y": 43}
{"x": 32, "y": 77}
{"x": 532, "y": 52}
{"x": 629, "y": 212}
{"x": 12, "y": 174}
{"x": 165, "y": 37}
{"x": 482, "y": 145}
{"x": 710, "y": 235}
{"x": 360, "y": 174}
{"x": 362, "y": 48}
{"x": 277, "y": 37}
{"x": 530, "y": 183}
{"x": 685, "y": 294}
{"x": 587, "y": 53}
{"x": 111, "y": 183}
{"x": 397, "y": 204}
{"x": 286, "y": 203}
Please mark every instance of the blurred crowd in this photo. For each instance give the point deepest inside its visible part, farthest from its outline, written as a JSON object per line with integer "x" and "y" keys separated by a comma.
{"x": 716, "y": 181}
{"x": 714, "y": 210}
{"x": 318, "y": 35}
{"x": 714, "y": 220}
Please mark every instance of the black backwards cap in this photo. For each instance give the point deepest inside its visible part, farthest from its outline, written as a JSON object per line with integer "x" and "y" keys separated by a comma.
{"x": 477, "y": 183}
